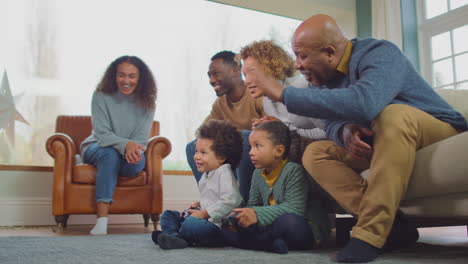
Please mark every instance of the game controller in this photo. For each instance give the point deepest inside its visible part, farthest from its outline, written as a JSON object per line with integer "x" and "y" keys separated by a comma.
{"x": 186, "y": 213}
{"x": 230, "y": 220}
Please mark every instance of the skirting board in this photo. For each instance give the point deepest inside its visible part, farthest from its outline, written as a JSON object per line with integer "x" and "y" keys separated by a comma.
{"x": 37, "y": 211}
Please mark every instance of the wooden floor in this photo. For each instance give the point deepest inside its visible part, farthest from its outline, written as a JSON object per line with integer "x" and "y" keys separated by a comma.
{"x": 449, "y": 236}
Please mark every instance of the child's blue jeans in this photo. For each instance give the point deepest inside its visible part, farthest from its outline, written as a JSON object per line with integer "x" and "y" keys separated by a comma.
{"x": 192, "y": 229}
{"x": 292, "y": 228}
{"x": 110, "y": 165}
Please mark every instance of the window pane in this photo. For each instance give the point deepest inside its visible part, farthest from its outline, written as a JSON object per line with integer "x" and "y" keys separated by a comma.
{"x": 445, "y": 87}
{"x": 457, "y": 3}
{"x": 435, "y": 8}
{"x": 443, "y": 73}
{"x": 440, "y": 46}
{"x": 49, "y": 75}
{"x": 461, "y": 67}
{"x": 460, "y": 39}
{"x": 462, "y": 86}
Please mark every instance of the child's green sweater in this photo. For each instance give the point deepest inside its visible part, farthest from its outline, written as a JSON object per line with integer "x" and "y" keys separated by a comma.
{"x": 291, "y": 193}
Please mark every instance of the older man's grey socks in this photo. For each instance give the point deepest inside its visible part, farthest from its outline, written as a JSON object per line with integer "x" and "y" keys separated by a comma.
{"x": 403, "y": 234}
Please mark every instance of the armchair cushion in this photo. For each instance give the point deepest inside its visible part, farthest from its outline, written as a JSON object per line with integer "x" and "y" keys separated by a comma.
{"x": 440, "y": 169}
{"x": 86, "y": 174}
{"x": 456, "y": 98}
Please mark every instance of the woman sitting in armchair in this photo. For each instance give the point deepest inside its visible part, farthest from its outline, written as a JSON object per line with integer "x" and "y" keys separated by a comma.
{"x": 122, "y": 110}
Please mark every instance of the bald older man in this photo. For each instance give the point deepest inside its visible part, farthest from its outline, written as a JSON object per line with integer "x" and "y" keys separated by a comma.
{"x": 380, "y": 111}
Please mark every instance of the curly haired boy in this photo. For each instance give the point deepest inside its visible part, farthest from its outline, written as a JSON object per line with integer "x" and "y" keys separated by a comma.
{"x": 218, "y": 150}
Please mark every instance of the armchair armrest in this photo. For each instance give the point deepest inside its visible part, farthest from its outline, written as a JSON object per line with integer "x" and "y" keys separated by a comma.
{"x": 157, "y": 149}
{"x": 159, "y": 146}
{"x": 60, "y": 143}
{"x": 61, "y": 147}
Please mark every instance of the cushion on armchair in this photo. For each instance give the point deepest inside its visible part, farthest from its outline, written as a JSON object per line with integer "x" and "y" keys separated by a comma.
{"x": 439, "y": 169}
{"x": 456, "y": 98}
{"x": 86, "y": 174}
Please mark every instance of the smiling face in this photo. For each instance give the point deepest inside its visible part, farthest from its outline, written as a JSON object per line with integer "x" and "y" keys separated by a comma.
{"x": 315, "y": 64}
{"x": 221, "y": 76}
{"x": 251, "y": 69}
{"x": 263, "y": 153}
{"x": 205, "y": 158}
{"x": 127, "y": 77}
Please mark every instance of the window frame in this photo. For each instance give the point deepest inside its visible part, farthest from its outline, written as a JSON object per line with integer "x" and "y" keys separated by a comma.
{"x": 4, "y": 167}
{"x": 427, "y": 28}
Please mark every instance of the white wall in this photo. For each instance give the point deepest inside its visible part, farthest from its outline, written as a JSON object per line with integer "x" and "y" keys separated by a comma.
{"x": 26, "y": 199}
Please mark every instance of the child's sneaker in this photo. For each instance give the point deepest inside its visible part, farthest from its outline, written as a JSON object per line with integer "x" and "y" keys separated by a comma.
{"x": 154, "y": 236}
{"x": 279, "y": 246}
{"x": 171, "y": 242}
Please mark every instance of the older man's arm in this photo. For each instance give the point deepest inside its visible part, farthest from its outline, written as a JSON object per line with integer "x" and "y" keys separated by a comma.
{"x": 382, "y": 74}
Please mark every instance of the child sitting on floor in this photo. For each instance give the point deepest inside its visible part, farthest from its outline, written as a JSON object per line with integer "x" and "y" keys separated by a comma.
{"x": 279, "y": 215}
{"x": 218, "y": 150}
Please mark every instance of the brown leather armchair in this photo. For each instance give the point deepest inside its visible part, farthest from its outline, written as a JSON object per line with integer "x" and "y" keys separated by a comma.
{"x": 74, "y": 184}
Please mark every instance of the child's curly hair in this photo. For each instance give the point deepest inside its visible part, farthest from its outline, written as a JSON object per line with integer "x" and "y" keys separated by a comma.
{"x": 279, "y": 134}
{"x": 274, "y": 59}
{"x": 227, "y": 140}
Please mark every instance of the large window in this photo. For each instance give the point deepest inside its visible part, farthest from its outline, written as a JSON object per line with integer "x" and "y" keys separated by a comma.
{"x": 444, "y": 38}
{"x": 54, "y": 53}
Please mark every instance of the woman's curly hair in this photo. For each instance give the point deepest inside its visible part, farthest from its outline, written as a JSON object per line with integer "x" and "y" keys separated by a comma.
{"x": 146, "y": 88}
{"x": 275, "y": 60}
{"x": 227, "y": 140}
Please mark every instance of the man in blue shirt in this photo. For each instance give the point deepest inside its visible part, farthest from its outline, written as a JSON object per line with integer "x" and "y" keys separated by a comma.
{"x": 379, "y": 112}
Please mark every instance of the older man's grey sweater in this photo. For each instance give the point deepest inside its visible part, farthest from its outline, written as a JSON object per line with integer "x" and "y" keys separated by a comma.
{"x": 379, "y": 75}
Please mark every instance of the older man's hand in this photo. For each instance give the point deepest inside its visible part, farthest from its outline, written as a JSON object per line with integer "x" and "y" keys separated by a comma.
{"x": 352, "y": 139}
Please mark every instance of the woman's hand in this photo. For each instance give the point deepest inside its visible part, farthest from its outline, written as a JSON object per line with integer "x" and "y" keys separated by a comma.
{"x": 258, "y": 121}
{"x": 352, "y": 139}
{"x": 246, "y": 217}
{"x": 132, "y": 152}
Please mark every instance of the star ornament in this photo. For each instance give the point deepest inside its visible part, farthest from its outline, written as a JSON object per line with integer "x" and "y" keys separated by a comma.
{"x": 8, "y": 112}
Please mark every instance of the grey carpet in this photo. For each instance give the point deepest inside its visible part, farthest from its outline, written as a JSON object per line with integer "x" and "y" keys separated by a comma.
{"x": 114, "y": 249}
